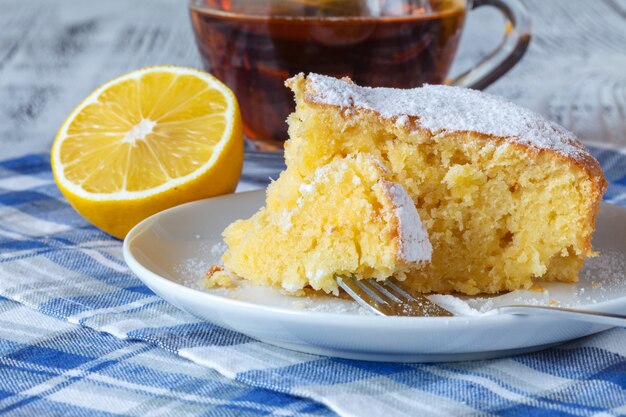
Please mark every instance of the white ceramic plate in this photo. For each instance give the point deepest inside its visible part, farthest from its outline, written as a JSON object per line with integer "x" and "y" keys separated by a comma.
{"x": 171, "y": 250}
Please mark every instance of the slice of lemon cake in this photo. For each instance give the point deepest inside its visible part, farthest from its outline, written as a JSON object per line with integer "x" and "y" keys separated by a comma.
{"x": 345, "y": 219}
{"x": 507, "y": 197}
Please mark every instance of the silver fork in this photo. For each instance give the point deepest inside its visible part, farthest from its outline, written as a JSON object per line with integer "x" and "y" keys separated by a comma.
{"x": 392, "y": 298}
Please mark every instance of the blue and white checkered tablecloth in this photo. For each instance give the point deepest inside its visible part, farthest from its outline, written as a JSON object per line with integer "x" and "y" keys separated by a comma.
{"x": 118, "y": 349}
{"x": 52, "y": 367}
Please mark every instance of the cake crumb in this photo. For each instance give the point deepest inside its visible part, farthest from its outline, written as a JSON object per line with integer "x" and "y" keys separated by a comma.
{"x": 291, "y": 288}
{"x": 217, "y": 277}
{"x": 213, "y": 270}
{"x": 296, "y": 293}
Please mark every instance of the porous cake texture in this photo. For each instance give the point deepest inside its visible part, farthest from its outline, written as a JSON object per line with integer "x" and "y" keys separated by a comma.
{"x": 341, "y": 218}
{"x": 507, "y": 197}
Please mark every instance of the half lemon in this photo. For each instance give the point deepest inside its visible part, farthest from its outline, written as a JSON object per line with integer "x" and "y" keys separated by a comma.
{"x": 146, "y": 141}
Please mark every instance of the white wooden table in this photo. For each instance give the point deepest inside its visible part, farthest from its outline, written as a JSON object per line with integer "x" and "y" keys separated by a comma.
{"x": 53, "y": 53}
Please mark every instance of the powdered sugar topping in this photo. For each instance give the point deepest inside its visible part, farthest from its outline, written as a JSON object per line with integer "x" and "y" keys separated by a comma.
{"x": 414, "y": 244}
{"x": 441, "y": 108}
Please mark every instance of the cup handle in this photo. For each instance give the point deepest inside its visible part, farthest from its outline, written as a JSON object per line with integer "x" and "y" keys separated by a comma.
{"x": 508, "y": 53}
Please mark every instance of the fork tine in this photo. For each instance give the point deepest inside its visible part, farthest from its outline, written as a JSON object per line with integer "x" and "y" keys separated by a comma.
{"x": 363, "y": 297}
{"x": 397, "y": 292}
{"x": 372, "y": 286}
{"x": 408, "y": 304}
{"x": 390, "y": 298}
{"x": 407, "y": 293}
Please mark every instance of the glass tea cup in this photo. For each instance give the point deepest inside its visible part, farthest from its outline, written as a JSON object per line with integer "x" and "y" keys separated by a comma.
{"x": 253, "y": 46}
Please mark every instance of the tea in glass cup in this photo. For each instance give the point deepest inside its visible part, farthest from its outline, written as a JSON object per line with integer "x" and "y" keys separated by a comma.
{"x": 253, "y": 46}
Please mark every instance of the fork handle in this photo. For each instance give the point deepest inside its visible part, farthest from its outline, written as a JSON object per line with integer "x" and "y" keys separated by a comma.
{"x": 607, "y": 319}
